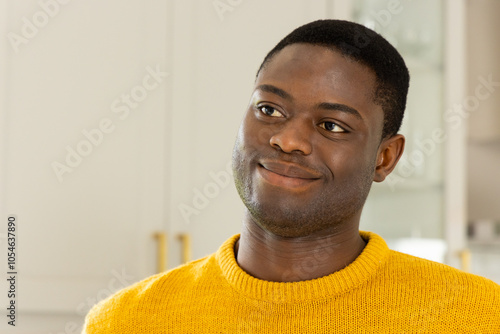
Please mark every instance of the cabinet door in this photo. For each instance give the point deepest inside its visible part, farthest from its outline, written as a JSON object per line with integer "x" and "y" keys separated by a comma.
{"x": 218, "y": 47}
{"x": 84, "y": 105}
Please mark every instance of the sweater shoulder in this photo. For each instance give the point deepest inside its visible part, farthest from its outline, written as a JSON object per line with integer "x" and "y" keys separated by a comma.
{"x": 410, "y": 262}
{"x": 450, "y": 280}
{"x": 151, "y": 294}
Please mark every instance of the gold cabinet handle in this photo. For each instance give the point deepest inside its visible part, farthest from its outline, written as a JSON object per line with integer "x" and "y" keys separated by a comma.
{"x": 186, "y": 247}
{"x": 465, "y": 258}
{"x": 161, "y": 251}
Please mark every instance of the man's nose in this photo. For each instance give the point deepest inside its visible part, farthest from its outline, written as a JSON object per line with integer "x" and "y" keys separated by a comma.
{"x": 295, "y": 136}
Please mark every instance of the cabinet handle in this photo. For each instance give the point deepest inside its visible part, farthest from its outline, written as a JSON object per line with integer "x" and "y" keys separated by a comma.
{"x": 465, "y": 258}
{"x": 186, "y": 247}
{"x": 161, "y": 251}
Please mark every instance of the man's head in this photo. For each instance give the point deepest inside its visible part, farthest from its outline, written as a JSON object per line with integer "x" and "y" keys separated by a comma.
{"x": 314, "y": 135}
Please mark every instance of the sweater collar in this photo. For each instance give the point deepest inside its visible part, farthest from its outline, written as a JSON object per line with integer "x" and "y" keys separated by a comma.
{"x": 365, "y": 266}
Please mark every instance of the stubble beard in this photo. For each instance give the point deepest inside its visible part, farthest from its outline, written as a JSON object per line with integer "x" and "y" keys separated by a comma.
{"x": 328, "y": 214}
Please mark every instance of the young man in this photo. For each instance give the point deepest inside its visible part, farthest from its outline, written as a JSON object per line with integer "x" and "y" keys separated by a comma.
{"x": 321, "y": 126}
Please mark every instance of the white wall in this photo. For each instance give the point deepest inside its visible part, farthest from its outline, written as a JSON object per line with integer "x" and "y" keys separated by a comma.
{"x": 484, "y": 126}
{"x": 483, "y": 160}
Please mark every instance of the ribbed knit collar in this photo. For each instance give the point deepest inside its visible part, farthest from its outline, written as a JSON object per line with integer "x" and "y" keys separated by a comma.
{"x": 366, "y": 265}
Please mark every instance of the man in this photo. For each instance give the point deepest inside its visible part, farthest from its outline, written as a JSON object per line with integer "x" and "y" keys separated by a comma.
{"x": 321, "y": 126}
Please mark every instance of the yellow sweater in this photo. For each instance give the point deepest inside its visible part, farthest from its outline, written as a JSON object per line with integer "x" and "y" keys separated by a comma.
{"x": 382, "y": 291}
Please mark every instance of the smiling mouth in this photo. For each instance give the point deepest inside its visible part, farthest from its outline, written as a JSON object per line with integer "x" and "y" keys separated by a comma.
{"x": 286, "y": 175}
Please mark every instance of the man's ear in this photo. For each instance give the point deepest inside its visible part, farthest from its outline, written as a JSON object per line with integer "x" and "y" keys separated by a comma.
{"x": 389, "y": 152}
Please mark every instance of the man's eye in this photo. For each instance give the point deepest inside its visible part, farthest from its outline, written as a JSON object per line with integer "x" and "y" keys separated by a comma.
{"x": 332, "y": 127}
{"x": 270, "y": 111}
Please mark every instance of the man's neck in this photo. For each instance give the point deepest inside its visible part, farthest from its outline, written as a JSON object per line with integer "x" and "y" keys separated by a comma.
{"x": 277, "y": 259}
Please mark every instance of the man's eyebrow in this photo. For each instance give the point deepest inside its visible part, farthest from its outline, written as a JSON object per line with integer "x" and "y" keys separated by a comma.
{"x": 340, "y": 107}
{"x": 324, "y": 105}
{"x": 275, "y": 90}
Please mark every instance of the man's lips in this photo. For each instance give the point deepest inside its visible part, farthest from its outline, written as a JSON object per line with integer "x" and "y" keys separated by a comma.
{"x": 289, "y": 170}
{"x": 287, "y": 175}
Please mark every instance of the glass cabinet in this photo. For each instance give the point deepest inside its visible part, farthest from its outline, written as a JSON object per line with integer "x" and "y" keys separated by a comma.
{"x": 415, "y": 208}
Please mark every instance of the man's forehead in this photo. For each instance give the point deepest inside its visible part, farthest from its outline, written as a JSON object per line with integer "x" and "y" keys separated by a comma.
{"x": 309, "y": 64}
{"x": 303, "y": 52}
{"x": 312, "y": 57}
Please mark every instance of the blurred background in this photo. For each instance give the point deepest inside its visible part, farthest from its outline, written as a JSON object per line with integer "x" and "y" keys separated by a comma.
{"x": 118, "y": 120}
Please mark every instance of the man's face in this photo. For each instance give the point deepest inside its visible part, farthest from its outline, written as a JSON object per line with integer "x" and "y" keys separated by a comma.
{"x": 306, "y": 152}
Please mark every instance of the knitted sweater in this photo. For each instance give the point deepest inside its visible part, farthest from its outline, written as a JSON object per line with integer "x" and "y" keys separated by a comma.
{"x": 382, "y": 291}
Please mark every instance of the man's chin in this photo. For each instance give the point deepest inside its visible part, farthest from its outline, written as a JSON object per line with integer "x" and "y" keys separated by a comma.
{"x": 284, "y": 223}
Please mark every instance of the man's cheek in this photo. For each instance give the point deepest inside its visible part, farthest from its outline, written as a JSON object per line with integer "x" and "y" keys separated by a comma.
{"x": 350, "y": 169}
{"x": 260, "y": 134}
{"x": 264, "y": 135}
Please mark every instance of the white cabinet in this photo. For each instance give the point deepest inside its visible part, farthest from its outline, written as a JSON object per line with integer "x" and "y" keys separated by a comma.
{"x": 132, "y": 144}
{"x": 83, "y": 177}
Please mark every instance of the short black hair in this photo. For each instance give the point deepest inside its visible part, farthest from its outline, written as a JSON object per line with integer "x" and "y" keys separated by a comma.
{"x": 367, "y": 47}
